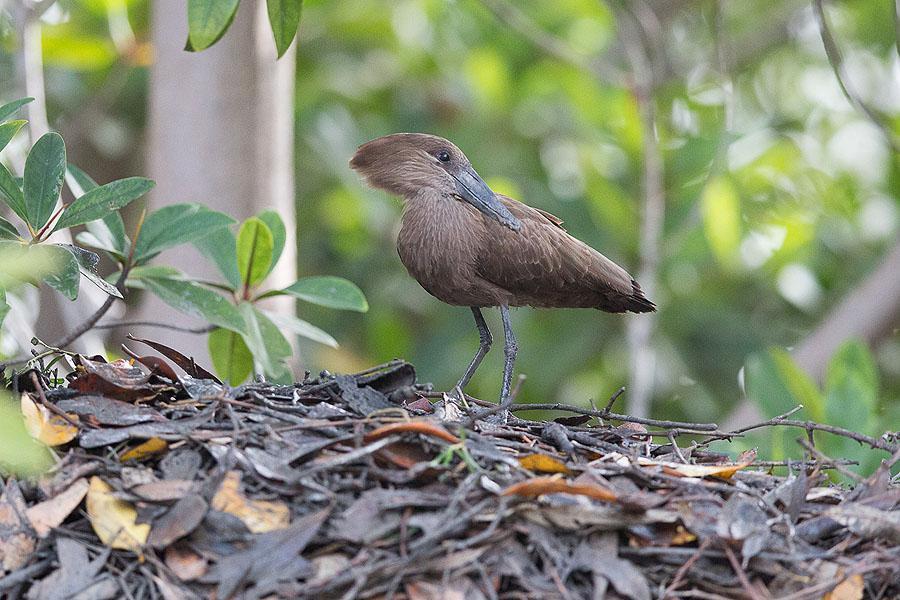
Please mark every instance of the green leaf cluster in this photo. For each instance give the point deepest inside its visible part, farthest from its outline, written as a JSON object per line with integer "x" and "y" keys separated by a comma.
{"x": 208, "y": 20}
{"x": 775, "y": 383}
{"x": 35, "y": 200}
{"x": 246, "y": 337}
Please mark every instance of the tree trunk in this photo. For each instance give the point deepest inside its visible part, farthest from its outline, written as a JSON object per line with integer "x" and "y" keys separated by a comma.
{"x": 220, "y": 133}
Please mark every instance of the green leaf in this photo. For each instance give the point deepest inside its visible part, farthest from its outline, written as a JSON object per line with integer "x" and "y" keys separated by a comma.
{"x": 8, "y": 231}
{"x": 11, "y": 193}
{"x": 65, "y": 277}
{"x": 284, "y": 17}
{"x": 107, "y": 233}
{"x": 231, "y": 358}
{"x": 851, "y": 401}
{"x": 21, "y": 263}
{"x": 7, "y": 110}
{"x": 176, "y": 224}
{"x": 45, "y": 169}
{"x": 777, "y": 384}
{"x": 721, "y": 209}
{"x": 87, "y": 264}
{"x": 279, "y": 234}
{"x": 208, "y": 20}
{"x": 193, "y": 299}
{"x": 254, "y": 251}
{"x": 300, "y": 327}
{"x": 79, "y": 182}
{"x": 326, "y": 290}
{"x": 138, "y": 274}
{"x": 8, "y": 131}
{"x": 20, "y": 453}
{"x": 101, "y": 201}
{"x": 221, "y": 248}
{"x": 264, "y": 339}
{"x": 4, "y": 306}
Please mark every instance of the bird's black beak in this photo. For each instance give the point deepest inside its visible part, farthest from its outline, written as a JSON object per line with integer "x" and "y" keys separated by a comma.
{"x": 476, "y": 192}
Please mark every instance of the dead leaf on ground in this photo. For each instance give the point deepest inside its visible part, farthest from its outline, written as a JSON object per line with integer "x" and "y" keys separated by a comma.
{"x": 51, "y": 513}
{"x": 461, "y": 589}
{"x": 114, "y": 520}
{"x": 45, "y": 426}
{"x": 179, "y": 521}
{"x": 77, "y": 575}
{"x": 121, "y": 379}
{"x": 420, "y": 426}
{"x": 16, "y": 541}
{"x": 542, "y": 463}
{"x": 538, "y": 486}
{"x": 851, "y": 588}
{"x": 185, "y": 563}
{"x": 724, "y": 471}
{"x": 151, "y": 447}
{"x": 258, "y": 515}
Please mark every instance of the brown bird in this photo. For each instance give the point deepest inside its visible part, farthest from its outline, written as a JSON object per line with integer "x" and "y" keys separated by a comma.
{"x": 468, "y": 246}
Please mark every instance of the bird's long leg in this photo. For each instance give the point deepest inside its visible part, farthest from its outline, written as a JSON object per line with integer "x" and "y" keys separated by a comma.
{"x": 485, "y": 341}
{"x": 510, "y": 348}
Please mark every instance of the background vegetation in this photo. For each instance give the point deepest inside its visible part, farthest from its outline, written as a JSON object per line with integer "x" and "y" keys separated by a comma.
{"x": 777, "y": 196}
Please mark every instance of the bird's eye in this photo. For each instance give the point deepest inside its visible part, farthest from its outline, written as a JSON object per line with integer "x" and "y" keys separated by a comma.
{"x": 443, "y": 156}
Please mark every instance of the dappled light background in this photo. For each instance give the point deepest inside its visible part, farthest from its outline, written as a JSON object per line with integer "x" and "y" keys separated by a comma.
{"x": 779, "y": 195}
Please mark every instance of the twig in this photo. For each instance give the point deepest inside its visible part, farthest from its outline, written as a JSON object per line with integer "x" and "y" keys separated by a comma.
{"x": 603, "y": 414}
{"x": 741, "y": 574}
{"x": 499, "y": 408}
{"x": 49, "y": 405}
{"x": 829, "y": 461}
{"x": 683, "y": 569}
{"x": 836, "y": 60}
{"x": 810, "y": 426}
{"x": 513, "y": 17}
{"x": 612, "y": 399}
{"x": 124, "y": 324}
{"x": 89, "y": 323}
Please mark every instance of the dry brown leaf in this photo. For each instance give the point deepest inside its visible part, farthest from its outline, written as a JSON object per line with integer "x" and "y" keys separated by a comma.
{"x": 149, "y": 448}
{"x": 185, "y": 563}
{"x": 45, "y": 426}
{"x": 114, "y": 520}
{"x": 51, "y": 513}
{"x": 16, "y": 541}
{"x": 420, "y": 426}
{"x": 531, "y": 488}
{"x": 258, "y": 515}
{"x": 541, "y": 463}
{"x": 723, "y": 471}
{"x": 851, "y": 588}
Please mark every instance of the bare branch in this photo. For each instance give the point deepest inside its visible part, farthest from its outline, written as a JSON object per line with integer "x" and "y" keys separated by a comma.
{"x": 836, "y": 60}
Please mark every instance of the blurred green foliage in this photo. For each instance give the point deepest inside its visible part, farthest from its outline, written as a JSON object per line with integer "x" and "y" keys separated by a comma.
{"x": 768, "y": 224}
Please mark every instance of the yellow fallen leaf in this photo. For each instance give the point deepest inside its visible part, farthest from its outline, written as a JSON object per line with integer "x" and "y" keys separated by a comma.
{"x": 45, "y": 426}
{"x": 541, "y": 463}
{"x": 682, "y": 536}
{"x": 114, "y": 520}
{"x": 849, "y": 589}
{"x": 725, "y": 471}
{"x": 258, "y": 515}
{"x": 148, "y": 448}
{"x": 51, "y": 513}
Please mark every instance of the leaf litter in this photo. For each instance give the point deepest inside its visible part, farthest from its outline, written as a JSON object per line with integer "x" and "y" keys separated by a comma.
{"x": 178, "y": 486}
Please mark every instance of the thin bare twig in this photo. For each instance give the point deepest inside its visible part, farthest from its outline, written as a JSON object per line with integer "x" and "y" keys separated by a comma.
{"x": 125, "y": 324}
{"x": 809, "y": 426}
{"x": 741, "y": 574}
{"x": 836, "y": 60}
{"x": 821, "y": 457}
{"x": 700, "y": 427}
